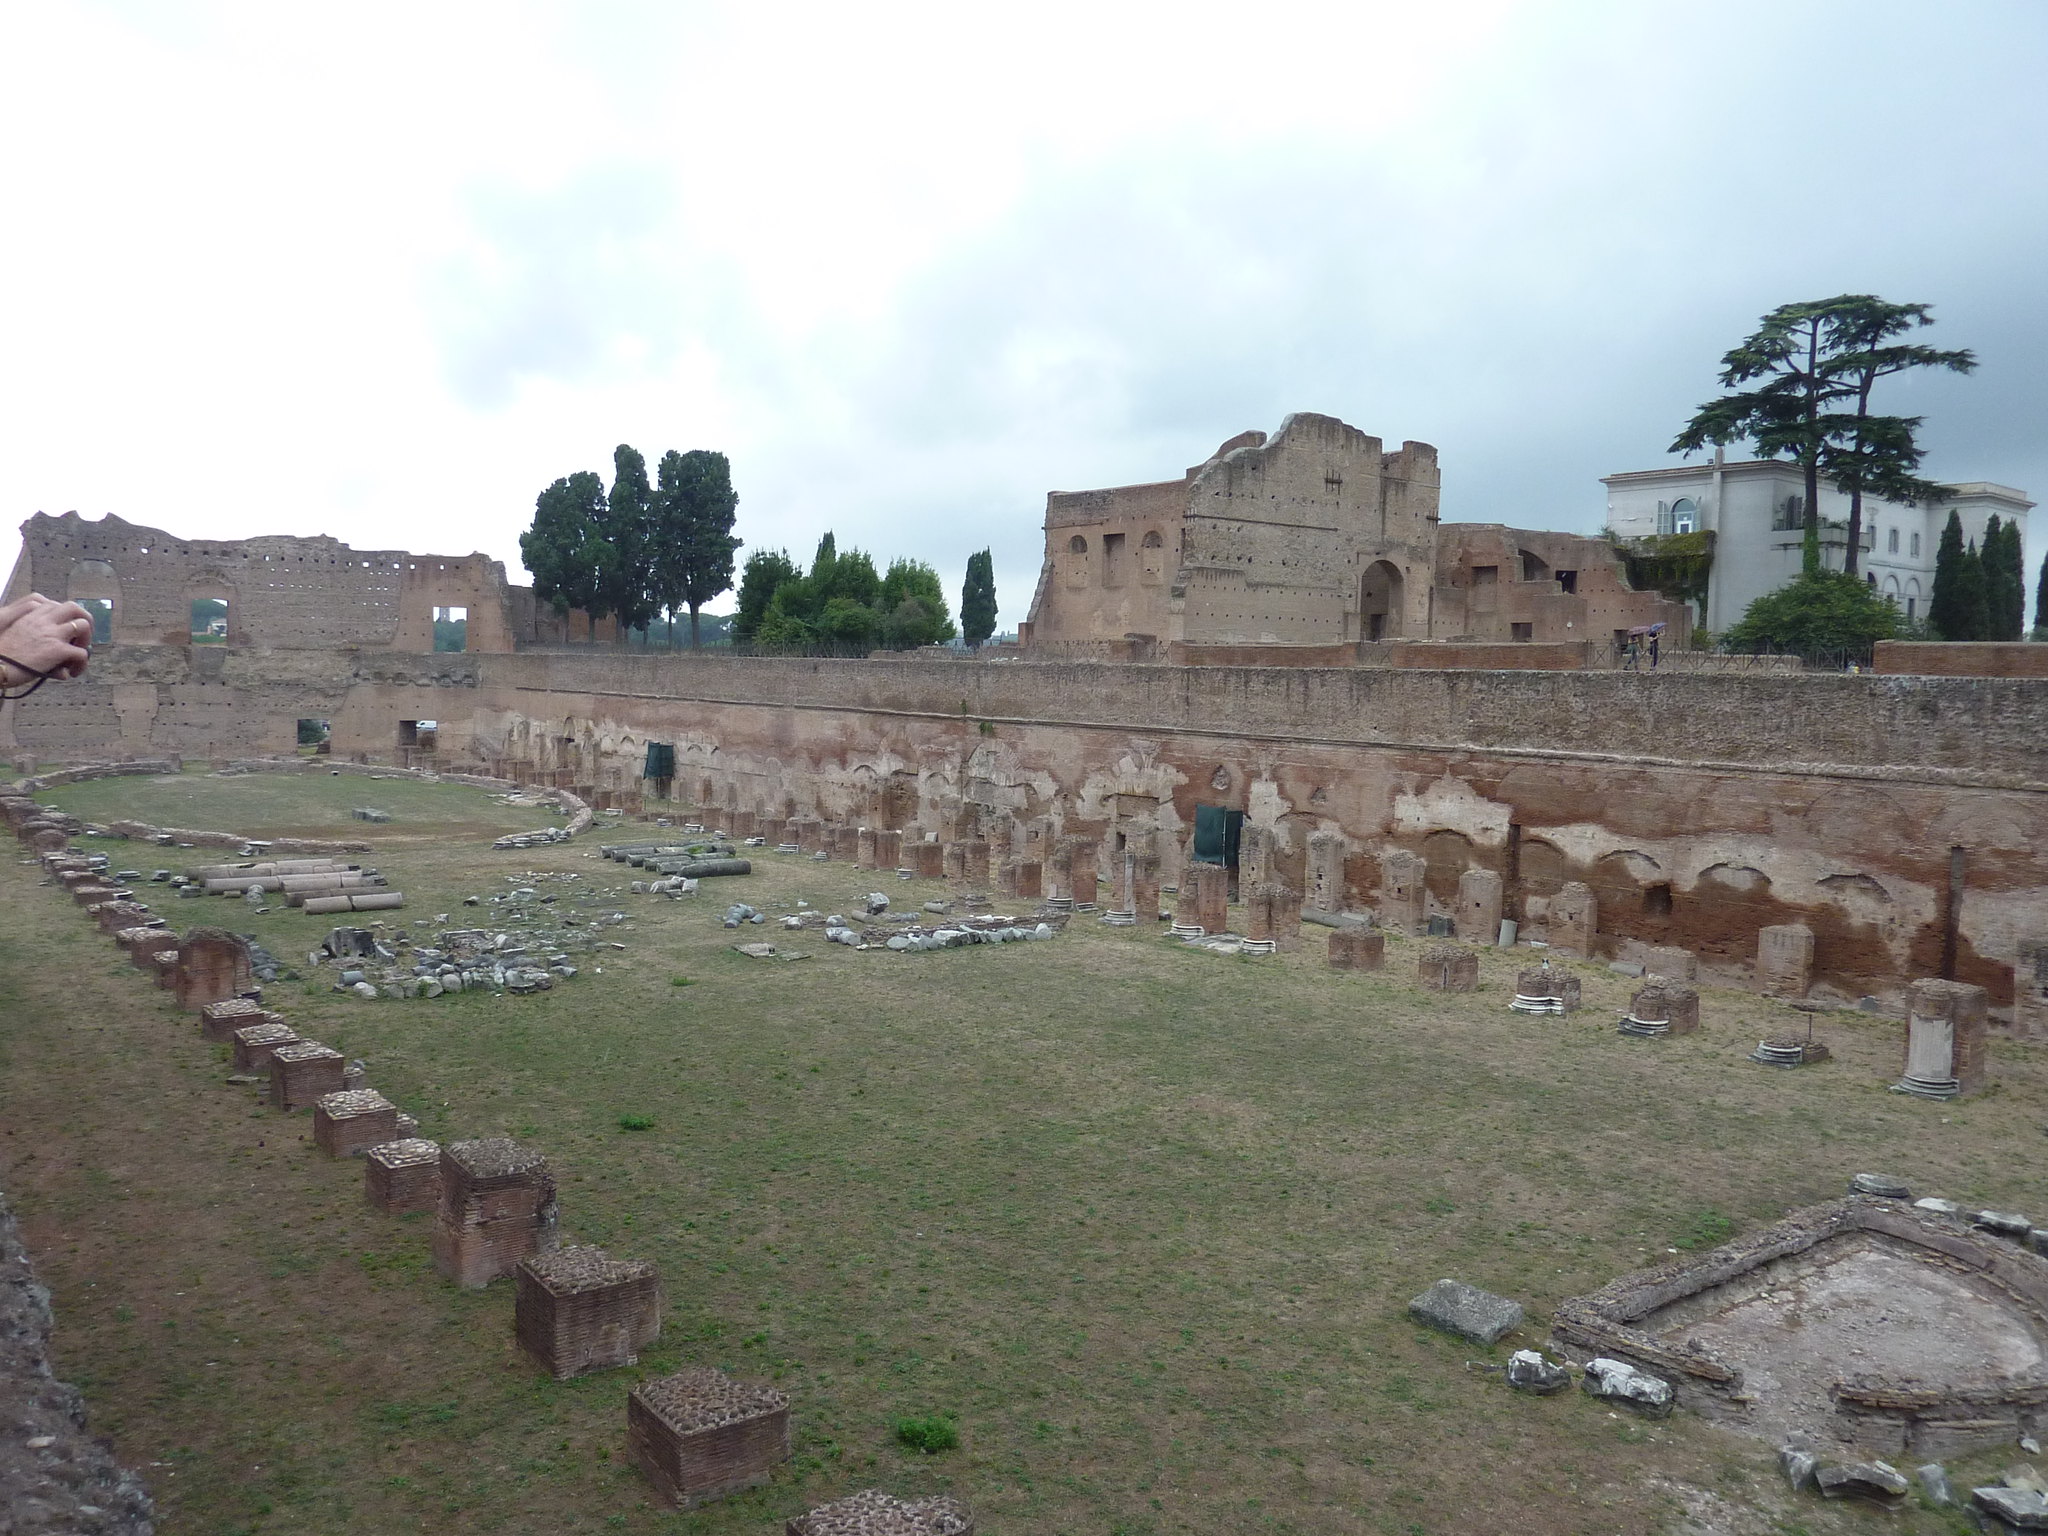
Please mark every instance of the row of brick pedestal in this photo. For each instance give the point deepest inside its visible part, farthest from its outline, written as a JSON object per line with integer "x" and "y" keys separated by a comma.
{"x": 697, "y": 1434}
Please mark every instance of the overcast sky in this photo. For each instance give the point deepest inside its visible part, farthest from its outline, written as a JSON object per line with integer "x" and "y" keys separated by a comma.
{"x": 383, "y": 272}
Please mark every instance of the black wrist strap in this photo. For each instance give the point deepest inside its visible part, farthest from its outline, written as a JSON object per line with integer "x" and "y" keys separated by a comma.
{"x": 22, "y": 666}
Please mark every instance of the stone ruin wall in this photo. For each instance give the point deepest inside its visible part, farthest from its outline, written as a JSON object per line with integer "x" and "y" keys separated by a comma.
{"x": 281, "y": 592}
{"x": 1699, "y": 809}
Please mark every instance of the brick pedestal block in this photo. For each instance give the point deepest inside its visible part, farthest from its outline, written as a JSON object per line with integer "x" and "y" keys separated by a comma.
{"x": 1672, "y": 1002}
{"x": 580, "y": 1309}
{"x": 1357, "y": 949}
{"x": 953, "y": 861}
{"x": 1448, "y": 968}
{"x": 497, "y": 1207}
{"x": 213, "y": 966}
{"x": 925, "y": 860}
{"x": 1477, "y": 915}
{"x": 1671, "y": 962}
{"x": 1030, "y": 880}
{"x": 888, "y": 849}
{"x": 255, "y": 1044}
{"x": 864, "y": 848}
{"x": 1145, "y": 883}
{"x": 166, "y": 963}
{"x": 1574, "y": 920}
{"x": 403, "y": 1176}
{"x": 219, "y": 1021}
{"x": 353, "y": 1121}
{"x": 974, "y": 870}
{"x": 1404, "y": 897}
{"x": 699, "y": 1435}
{"x": 302, "y": 1072}
{"x": 1204, "y": 898}
{"x": 113, "y": 916}
{"x": 1784, "y": 959}
{"x": 845, "y": 843}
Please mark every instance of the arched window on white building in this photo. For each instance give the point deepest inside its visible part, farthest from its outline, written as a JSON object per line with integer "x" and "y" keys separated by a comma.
{"x": 1685, "y": 515}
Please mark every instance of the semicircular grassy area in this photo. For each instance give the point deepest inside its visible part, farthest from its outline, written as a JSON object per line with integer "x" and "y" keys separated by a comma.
{"x": 314, "y": 804}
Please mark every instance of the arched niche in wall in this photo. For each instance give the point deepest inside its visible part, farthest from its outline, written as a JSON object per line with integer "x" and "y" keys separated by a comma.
{"x": 1543, "y": 867}
{"x": 1152, "y": 559}
{"x": 1076, "y": 560}
{"x": 1446, "y": 855}
{"x": 1379, "y": 601}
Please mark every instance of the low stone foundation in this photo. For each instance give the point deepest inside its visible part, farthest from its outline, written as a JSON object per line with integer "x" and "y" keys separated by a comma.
{"x": 579, "y": 1309}
{"x": 699, "y": 1435}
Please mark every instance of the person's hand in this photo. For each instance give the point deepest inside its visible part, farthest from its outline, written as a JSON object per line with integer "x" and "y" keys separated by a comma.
{"x": 43, "y": 634}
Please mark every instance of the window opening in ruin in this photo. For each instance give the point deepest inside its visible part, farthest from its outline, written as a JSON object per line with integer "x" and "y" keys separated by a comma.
{"x": 451, "y": 629}
{"x": 1534, "y": 567}
{"x": 1522, "y": 631}
{"x": 1485, "y": 575}
{"x": 1379, "y": 600}
{"x": 408, "y": 733}
{"x": 1077, "y": 545}
{"x": 102, "y": 611}
{"x": 1657, "y": 900}
{"x": 1568, "y": 580}
{"x": 315, "y": 737}
{"x": 1112, "y": 559}
{"x": 1332, "y": 481}
{"x": 209, "y": 621}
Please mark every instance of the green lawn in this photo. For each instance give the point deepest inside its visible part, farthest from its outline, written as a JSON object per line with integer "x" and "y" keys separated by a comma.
{"x": 1142, "y": 1220}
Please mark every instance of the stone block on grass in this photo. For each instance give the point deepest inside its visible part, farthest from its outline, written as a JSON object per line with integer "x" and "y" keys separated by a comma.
{"x": 254, "y": 1044}
{"x": 1357, "y": 949}
{"x": 497, "y": 1207}
{"x": 699, "y": 1435}
{"x": 302, "y": 1072}
{"x": 579, "y": 1309}
{"x": 353, "y": 1121}
{"x": 219, "y": 1021}
{"x": 403, "y": 1176}
{"x": 1467, "y": 1311}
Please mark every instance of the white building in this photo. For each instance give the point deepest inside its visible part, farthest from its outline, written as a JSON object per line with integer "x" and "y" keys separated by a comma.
{"x": 1756, "y": 511}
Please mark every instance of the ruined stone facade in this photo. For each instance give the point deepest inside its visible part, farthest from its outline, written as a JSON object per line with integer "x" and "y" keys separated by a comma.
{"x": 1315, "y": 539}
{"x": 281, "y": 593}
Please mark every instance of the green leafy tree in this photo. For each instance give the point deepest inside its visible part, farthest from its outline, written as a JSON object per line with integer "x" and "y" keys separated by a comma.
{"x": 563, "y": 548}
{"x": 850, "y": 576}
{"x": 765, "y": 571}
{"x": 1952, "y": 606}
{"x": 911, "y": 608}
{"x": 1863, "y": 453}
{"x": 1813, "y": 367}
{"x": 1781, "y": 413}
{"x": 1816, "y": 613}
{"x": 845, "y": 622}
{"x": 978, "y": 599}
{"x": 625, "y": 574}
{"x": 782, "y": 627}
{"x": 694, "y": 544}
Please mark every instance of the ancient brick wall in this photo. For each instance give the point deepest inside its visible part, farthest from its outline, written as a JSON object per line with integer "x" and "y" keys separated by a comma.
{"x": 1923, "y": 658}
{"x": 1697, "y": 808}
{"x": 312, "y": 593}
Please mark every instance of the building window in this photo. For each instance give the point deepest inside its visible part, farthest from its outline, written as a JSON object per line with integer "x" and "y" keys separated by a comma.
{"x": 1685, "y": 515}
{"x": 1916, "y": 553}
{"x": 1569, "y": 580}
{"x": 1522, "y": 631}
{"x": 1077, "y": 545}
{"x": 1891, "y": 542}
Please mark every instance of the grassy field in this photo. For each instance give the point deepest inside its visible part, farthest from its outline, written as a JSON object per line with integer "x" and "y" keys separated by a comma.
{"x": 313, "y": 804}
{"x": 1143, "y": 1220}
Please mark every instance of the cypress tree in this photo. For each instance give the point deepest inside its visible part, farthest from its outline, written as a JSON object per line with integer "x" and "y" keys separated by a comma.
{"x": 1974, "y": 595}
{"x": 2041, "y": 603}
{"x": 2012, "y": 610}
{"x": 1946, "y": 606}
{"x": 1995, "y": 577}
{"x": 978, "y": 599}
